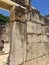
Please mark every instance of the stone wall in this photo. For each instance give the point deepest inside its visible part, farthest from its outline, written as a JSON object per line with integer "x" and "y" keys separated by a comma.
{"x": 37, "y": 46}
{"x": 30, "y": 40}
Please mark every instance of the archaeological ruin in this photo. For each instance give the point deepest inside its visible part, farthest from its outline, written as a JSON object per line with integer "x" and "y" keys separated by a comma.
{"x": 29, "y": 36}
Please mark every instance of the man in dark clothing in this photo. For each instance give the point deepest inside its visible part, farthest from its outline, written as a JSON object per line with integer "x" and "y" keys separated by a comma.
{"x": 1, "y": 45}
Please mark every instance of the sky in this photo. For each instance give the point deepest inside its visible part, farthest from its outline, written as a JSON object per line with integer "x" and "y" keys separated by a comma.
{"x": 41, "y": 5}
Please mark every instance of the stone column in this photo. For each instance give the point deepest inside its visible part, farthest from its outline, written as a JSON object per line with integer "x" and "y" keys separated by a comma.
{"x": 18, "y": 36}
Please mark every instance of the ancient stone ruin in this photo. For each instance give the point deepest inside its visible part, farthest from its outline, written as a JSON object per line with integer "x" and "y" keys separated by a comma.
{"x": 29, "y": 37}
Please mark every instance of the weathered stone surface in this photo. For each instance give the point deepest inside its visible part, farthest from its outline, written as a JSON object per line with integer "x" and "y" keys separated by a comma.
{"x": 44, "y": 38}
{"x": 29, "y": 27}
{"x": 47, "y": 29}
{"x": 37, "y": 38}
{"x": 28, "y": 16}
{"x": 33, "y": 38}
{"x": 41, "y": 49}
{"x": 33, "y": 28}
{"x": 38, "y": 19}
{"x": 36, "y": 16}
{"x": 43, "y": 30}
{"x": 41, "y": 20}
{"x": 29, "y": 41}
{"x": 18, "y": 41}
{"x": 37, "y": 29}
{"x": 35, "y": 50}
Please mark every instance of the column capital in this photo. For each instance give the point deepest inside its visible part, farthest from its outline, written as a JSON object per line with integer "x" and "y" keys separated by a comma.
{"x": 17, "y": 13}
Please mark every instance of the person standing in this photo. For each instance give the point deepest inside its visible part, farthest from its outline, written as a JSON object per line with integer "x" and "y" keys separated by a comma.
{"x": 1, "y": 45}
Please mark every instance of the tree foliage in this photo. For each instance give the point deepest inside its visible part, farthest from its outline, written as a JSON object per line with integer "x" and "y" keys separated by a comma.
{"x": 3, "y": 19}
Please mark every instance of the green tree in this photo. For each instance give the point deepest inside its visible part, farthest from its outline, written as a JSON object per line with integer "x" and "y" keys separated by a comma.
{"x": 3, "y": 19}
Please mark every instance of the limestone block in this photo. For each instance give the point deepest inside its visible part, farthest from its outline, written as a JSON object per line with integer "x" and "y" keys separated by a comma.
{"x": 33, "y": 38}
{"x": 38, "y": 50}
{"x": 35, "y": 50}
{"x": 28, "y": 16}
{"x": 47, "y": 29}
{"x": 44, "y": 38}
{"x": 43, "y": 30}
{"x": 41, "y": 19}
{"x": 29, "y": 56}
{"x": 37, "y": 29}
{"x": 33, "y": 28}
{"x": 41, "y": 49}
{"x": 32, "y": 17}
{"x": 47, "y": 47}
{"x": 29, "y": 27}
{"x": 31, "y": 51}
{"x": 36, "y": 38}
{"x": 36, "y": 16}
